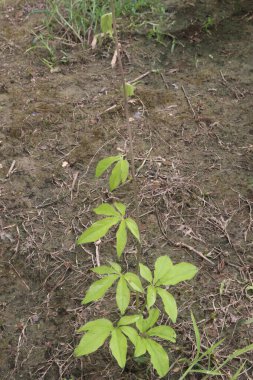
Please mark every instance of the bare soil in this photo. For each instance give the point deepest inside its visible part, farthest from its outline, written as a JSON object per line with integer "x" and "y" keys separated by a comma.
{"x": 193, "y": 136}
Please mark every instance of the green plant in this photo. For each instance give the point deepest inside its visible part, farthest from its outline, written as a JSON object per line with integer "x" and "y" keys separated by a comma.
{"x": 156, "y": 33}
{"x": 78, "y": 19}
{"x": 198, "y": 365}
{"x": 139, "y": 324}
{"x": 44, "y": 44}
{"x": 208, "y": 24}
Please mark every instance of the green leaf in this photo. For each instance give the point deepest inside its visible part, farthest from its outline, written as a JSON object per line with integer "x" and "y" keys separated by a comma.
{"x": 178, "y": 273}
{"x": 97, "y": 230}
{"x": 237, "y": 353}
{"x": 121, "y": 207}
{"x": 140, "y": 346}
{"x": 116, "y": 266}
{"x": 197, "y": 335}
{"x": 164, "y": 332}
{"x": 151, "y": 296}
{"x": 159, "y": 357}
{"x": 131, "y": 333}
{"x": 99, "y": 288}
{"x": 122, "y": 295}
{"x": 101, "y": 323}
{"x": 115, "y": 177}
{"x": 103, "y": 269}
{"x": 129, "y": 89}
{"x": 145, "y": 324}
{"x": 105, "y": 163}
{"x": 121, "y": 238}
{"x": 128, "y": 320}
{"x": 145, "y": 273}
{"x": 134, "y": 281}
{"x": 106, "y": 209}
{"x": 106, "y": 24}
{"x": 169, "y": 303}
{"x": 118, "y": 346}
{"x": 124, "y": 170}
{"x": 210, "y": 351}
{"x": 139, "y": 324}
{"x": 162, "y": 265}
{"x": 207, "y": 372}
{"x": 238, "y": 372}
{"x": 133, "y": 228}
{"x": 91, "y": 341}
{"x": 152, "y": 319}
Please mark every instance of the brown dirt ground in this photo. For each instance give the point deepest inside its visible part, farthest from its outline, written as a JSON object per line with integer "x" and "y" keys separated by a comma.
{"x": 193, "y": 134}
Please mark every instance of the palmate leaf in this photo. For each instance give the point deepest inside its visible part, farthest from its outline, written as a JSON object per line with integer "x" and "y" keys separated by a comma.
{"x": 178, "y": 273}
{"x": 116, "y": 267}
{"x": 121, "y": 207}
{"x": 105, "y": 163}
{"x": 102, "y": 323}
{"x": 124, "y": 170}
{"x": 129, "y": 89}
{"x": 140, "y": 346}
{"x": 146, "y": 273}
{"x": 134, "y": 281}
{"x": 97, "y": 230}
{"x": 159, "y": 357}
{"x": 91, "y": 341}
{"x": 121, "y": 238}
{"x": 122, "y": 295}
{"x": 169, "y": 303}
{"x": 103, "y": 269}
{"x": 133, "y": 228}
{"x": 145, "y": 324}
{"x": 151, "y": 320}
{"x": 151, "y": 296}
{"x": 106, "y": 24}
{"x": 98, "y": 289}
{"x": 164, "y": 332}
{"x": 131, "y": 333}
{"x": 97, "y": 333}
{"x": 119, "y": 174}
{"x": 135, "y": 339}
{"x": 118, "y": 346}
{"x": 107, "y": 210}
{"x": 162, "y": 266}
{"x": 128, "y": 320}
{"x": 115, "y": 177}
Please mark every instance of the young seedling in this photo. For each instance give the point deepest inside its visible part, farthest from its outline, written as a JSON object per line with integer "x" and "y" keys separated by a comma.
{"x": 142, "y": 328}
{"x": 146, "y": 329}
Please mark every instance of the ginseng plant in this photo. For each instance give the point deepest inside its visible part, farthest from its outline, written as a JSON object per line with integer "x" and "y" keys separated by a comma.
{"x": 138, "y": 323}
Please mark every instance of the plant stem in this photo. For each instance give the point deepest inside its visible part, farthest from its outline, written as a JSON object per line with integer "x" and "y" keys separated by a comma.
{"x": 130, "y": 136}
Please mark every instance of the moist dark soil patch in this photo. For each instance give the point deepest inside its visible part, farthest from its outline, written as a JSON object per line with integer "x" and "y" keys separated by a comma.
{"x": 192, "y": 121}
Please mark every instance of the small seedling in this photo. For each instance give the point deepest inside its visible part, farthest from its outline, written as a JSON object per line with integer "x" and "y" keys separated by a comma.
{"x": 142, "y": 328}
{"x": 137, "y": 294}
{"x": 208, "y": 24}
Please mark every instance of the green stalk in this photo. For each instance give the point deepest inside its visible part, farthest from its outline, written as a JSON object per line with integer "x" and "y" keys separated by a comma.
{"x": 130, "y": 136}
